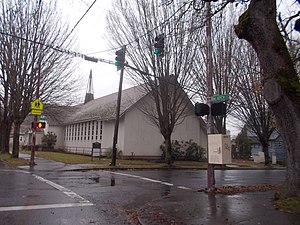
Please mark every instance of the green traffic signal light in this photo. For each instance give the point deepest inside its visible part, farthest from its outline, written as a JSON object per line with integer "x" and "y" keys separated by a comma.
{"x": 159, "y": 45}
{"x": 120, "y": 58}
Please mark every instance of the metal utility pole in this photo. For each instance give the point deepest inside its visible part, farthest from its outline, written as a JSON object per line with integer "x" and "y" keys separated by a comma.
{"x": 115, "y": 139}
{"x": 33, "y": 146}
{"x": 210, "y": 167}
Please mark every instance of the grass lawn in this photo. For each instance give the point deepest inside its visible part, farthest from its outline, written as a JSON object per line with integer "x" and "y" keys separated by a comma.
{"x": 290, "y": 205}
{"x": 13, "y": 161}
{"x": 103, "y": 163}
{"x": 70, "y": 158}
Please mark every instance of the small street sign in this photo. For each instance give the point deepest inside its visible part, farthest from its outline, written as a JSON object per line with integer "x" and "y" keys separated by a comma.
{"x": 220, "y": 98}
{"x": 37, "y": 105}
{"x": 36, "y": 112}
{"x": 43, "y": 119}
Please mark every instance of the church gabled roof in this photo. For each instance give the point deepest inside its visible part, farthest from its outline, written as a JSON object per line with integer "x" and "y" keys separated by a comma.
{"x": 104, "y": 108}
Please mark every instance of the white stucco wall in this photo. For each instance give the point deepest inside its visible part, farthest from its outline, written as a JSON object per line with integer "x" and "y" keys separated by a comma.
{"x": 59, "y": 132}
{"x": 141, "y": 137}
{"x": 190, "y": 129}
{"x": 108, "y": 134}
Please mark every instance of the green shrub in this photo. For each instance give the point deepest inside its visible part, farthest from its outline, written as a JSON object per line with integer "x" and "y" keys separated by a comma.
{"x": 49, "y": 140}
{"x": 177, "y": 152}
{"x": 193, "y": 151}
{"x": 108, "y": 154}
{"x": 187, "y": 150}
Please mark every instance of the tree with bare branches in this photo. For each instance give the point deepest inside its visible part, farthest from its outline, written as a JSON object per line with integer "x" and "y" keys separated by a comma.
{"x": 281, "y": 83}
{"x": 251, "y": 108}
{"x": 136, "y": 24}
{"x": 226, "y": 48}
{"x": 30, "y": 31}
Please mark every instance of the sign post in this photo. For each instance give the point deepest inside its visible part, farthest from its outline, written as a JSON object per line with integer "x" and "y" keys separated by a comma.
{"x": 36, "y": 109}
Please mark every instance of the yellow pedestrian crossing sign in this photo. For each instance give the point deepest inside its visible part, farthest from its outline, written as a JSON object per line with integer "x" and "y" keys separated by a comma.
{"x": 37, "y": 105}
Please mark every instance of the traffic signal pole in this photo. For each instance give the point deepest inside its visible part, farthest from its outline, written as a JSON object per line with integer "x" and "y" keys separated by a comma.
{"x": 115, "y": 138}
{"x": 210, "y": 167}
{"x": 33, "y": 145}
{"x": 32, "y": 163}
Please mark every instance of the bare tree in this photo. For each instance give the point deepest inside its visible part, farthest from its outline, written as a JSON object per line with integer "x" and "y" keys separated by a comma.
{"x": 259, "y": 27}
{"x": 30, "y": 31}
{"x": 225, "y": 62}
{"x": 136, "y": 24}
{"x": 251, "y": 108}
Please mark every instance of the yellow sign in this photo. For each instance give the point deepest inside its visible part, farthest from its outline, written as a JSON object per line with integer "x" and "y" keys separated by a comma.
{"x": 37, "y": 105}
{"x": 36, "y": 112}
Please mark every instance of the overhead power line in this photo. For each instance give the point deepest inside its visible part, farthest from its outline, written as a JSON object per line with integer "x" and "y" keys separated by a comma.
{"x": 86, "y": 57}
{"x": 65, "y": 51}
{"x": 80, "y": 20}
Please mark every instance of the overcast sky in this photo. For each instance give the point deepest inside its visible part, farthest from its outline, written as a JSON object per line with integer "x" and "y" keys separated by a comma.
{"x": 90, "y": 41}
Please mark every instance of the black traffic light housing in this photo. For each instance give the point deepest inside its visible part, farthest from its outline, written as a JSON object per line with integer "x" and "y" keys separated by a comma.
{"x": 217, "y": 109}
{"x": 120, "y": 58}
{"x": 201, "y": 109}
{"x": 159, "y": 45}
{"x": 38, "y": 125}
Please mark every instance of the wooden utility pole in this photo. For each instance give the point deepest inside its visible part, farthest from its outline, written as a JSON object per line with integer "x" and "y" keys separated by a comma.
{"x": 210, "y": 167}
{"x": 115, "y": 139}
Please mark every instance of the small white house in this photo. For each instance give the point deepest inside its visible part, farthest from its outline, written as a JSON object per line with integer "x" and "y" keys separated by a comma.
{"x": 78, "y": 127}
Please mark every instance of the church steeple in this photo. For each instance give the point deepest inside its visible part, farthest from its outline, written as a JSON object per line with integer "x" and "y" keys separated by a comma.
{"x": 89, "y": 90}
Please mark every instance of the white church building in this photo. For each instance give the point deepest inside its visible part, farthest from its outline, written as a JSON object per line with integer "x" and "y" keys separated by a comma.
{"x": 78, "y": 127}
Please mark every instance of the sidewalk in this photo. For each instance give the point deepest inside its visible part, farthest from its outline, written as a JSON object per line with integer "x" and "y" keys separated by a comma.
{"x": 50, "y": 165}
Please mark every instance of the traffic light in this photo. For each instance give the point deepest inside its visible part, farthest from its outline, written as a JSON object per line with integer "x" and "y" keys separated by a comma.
{"x": 218, "y": 109}
{"x": 201, "y": 109}
{"x": 120, "y": 58}
{"x": 159, "y": 45}
{"x": 41, "y": 125}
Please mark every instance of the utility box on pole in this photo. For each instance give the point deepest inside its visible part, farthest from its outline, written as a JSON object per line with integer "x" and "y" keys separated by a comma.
{"x": 219, "y": 147}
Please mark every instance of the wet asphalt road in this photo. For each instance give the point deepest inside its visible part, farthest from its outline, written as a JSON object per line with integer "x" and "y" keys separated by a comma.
{"x": 136, "y": 197}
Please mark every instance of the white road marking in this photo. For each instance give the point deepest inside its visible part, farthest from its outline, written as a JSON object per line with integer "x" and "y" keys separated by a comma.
{"x": 81, "y": 201}
{"x": 152, "y": 180}
{"x": 50, "y": 206}
{"x": 184, "y": 188}
{"x": 66, "y": 191}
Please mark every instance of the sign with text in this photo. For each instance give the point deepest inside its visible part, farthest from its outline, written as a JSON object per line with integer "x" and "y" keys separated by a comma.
{"x": 221, "y": 98}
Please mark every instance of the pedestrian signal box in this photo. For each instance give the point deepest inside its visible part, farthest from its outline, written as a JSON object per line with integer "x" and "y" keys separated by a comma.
{"x": 219, "y": 149}
{"x": 39, "y": 125}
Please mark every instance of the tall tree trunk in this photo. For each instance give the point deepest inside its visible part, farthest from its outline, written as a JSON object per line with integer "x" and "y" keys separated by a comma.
{"x": 5, "y": 134}
{"x": 5, "y": 137}
{"x": 168, "y": 145}
{"x": 16, "y": 143}
{"x": 281, "y": 85}
{"x": 265, "y": 148}
{"x": 5, "y": 122}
